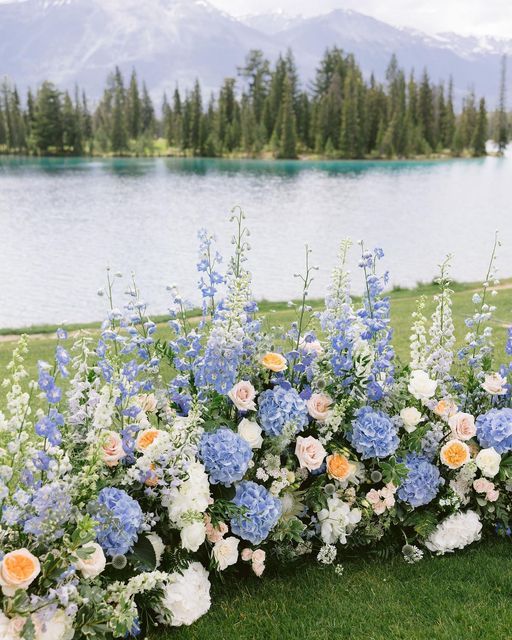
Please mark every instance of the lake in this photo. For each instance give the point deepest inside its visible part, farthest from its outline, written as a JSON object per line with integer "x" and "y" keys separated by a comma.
{"x": 63, "y": 221}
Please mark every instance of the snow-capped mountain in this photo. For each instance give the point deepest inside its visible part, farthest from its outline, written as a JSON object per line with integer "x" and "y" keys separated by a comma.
{"x": 175, "y": 41}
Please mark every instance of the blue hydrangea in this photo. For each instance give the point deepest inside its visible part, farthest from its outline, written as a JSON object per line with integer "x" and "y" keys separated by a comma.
{"x": 48, "y": 511}
{"x": 120, "y": 521}
{"x": 494, "y": 429}
{"x": 225, "y": 456}
{"x": 279, "y": 407}
{"x": 262, "y": 511}
{"x": 373, "y": 434}
{"x": 422, "y": 482}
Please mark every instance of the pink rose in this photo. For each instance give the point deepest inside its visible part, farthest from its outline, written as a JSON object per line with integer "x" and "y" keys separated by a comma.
{"x": 113, "y": 449}
{"x": 258, "y": 562}
{"x": 494, "y": 384}
{"x": 492, "y": 495}
{"x": 382, "y": 499}
{"x": 482, "y": 485}
{"x": 246, "y": 554}
{"x": 462, "y": 425}
{"x": 242, "y": 396}
{"x": 318, "y": 406}
{"x": 214, "y": 534}
{"x": 310, "y": 453}
{"x": 312, "y": 346}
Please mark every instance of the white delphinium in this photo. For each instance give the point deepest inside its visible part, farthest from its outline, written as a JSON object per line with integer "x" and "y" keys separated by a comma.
{"x": 418, "y": 340}
{"x": 442, "y": 339}
{"x": 456, "y": 532}
{"x": 338, "y": 300}
{"x": 462, "y": 484}
{"x": 105, "y": 409}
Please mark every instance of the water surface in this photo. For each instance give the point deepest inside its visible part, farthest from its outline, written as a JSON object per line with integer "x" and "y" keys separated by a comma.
{"x": 63, "y": 220}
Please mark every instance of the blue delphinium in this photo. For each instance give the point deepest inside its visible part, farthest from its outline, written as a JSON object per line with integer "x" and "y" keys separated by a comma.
{"x": 494, "y": 429}
{"x": 48, "y": 427}
{"x": 373, "y": 434}
{"x": 422, "y": 482}
{"x": 120, "y": 521}
{"x": 47, "y": 512}
{"x": 280, "y": 406}
{"x": 225, "y": 455}
{"x": 261, "y": 512}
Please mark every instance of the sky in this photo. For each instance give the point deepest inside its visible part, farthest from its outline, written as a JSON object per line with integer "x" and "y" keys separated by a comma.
{"x": 467, "y": 17}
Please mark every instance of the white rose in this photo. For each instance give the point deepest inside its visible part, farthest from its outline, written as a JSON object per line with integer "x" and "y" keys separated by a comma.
{"x": 242, "y": 396}
{"x": 59, "y": 627}
{"x": 250, "y": 431}
{"x": 93, "y": 564}
{"x": 186, "y": 596}
{"x": 112, "y": 448}
{"x": 462, "y": 425}
{"x": 11, "y": 628}
{"x": 488, "y": 461}
{"x": 193, "y": 536}
{"x": 311, "y": 346}
{"x": 225, "y": 552}
{"x": 421, "y": 386}
{"x": 147, "y": 403}
{"x": 411, "y": 417}
{"x": 310, "y": 453}
{"x": 319, "y": 406}
{"x": 494, "y": 384}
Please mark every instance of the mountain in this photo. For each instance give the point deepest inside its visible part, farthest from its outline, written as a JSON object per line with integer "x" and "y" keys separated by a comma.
{"x": 175, "y": 41}
{"x": 168, "y": 41}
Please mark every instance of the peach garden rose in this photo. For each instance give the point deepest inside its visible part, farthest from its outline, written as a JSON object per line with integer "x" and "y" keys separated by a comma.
{"x": 18, "y": 570}
{"x": 274, "y": 361}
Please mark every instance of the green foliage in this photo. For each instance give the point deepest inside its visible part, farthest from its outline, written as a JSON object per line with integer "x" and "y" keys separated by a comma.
{"x": 393, "y": 471}
{"x": 338, "y": 115}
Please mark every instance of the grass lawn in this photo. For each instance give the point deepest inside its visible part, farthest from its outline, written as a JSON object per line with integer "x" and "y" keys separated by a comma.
{"x": 459, "y": 597}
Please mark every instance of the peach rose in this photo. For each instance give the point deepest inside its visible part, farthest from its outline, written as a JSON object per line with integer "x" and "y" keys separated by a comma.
{"x": 274, "y": 361}
{"x": 152, "y": 478}
{"x": 18, "y": 570}
{"x": 310, "y": 453}
{"x": 339, "y": 467}
{"x": 445, "y": 408}
{"x": 145, "y": 438}
{"x": 113, "y": 449}
{"x": 242, "y": 396}
{"x": 319, "y": 406}
{"x": 454, "y": 454}
{"x": 312, "y": 346}
{"x": 462, "y": 425}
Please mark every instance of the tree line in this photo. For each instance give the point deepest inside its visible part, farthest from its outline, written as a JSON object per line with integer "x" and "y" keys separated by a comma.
{"x": 264, "y": 109}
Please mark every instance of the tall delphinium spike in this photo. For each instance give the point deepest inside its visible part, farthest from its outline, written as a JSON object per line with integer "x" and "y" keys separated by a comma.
{"x": 418, "y": 339}
{"x": 439, "y": 350}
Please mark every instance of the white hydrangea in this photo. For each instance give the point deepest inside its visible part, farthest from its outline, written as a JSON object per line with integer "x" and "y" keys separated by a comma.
{"x": 192, "y": 495}
{"x": 186, "y": 596}
{"x": 456, "y": 532}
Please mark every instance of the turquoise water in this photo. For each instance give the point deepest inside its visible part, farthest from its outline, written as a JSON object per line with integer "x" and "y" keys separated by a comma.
{"x": 63, "y": 220}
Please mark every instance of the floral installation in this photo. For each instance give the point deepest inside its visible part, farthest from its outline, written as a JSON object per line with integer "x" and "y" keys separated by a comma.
{"x": 140, "y": 465}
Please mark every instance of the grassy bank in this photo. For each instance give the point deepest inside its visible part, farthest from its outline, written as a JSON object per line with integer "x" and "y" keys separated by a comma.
{"x": 465, "y": 596}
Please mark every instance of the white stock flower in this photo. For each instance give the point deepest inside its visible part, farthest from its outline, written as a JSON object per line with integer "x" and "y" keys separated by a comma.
{"x": 421, "y": 386}
{"x": 11, "y": 628}
{"x": 455, "y": 532}
{"x": 186, "y": 596}
{"x": 192, "y": 495}
{"x": 58, "y": 627}
{"x": 337, "y": 520}
{"x": 158, "y": 547}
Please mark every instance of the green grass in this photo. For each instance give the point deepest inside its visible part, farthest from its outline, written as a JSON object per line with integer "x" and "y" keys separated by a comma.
{"x": 461, "y": 597}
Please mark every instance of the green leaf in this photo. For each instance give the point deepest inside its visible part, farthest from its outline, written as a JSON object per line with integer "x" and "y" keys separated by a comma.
{"x": 143, "y": 556}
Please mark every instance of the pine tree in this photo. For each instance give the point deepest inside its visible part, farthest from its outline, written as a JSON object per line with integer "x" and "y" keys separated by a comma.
{"x": 119, "y": 134}
{"x": 480, "y": 133}
{"x": 48, "y": 119}
{"x": 426, "y": 111}
{"x": 352, "y": 143}
{"x": 147, "y": 112}
{"x": 256, "y": 71}
{"x": 133, "y": 108}
{"x": 287, "y": 141}
{"x": 196, "y": 112}
{"x": 502, "y": 129}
